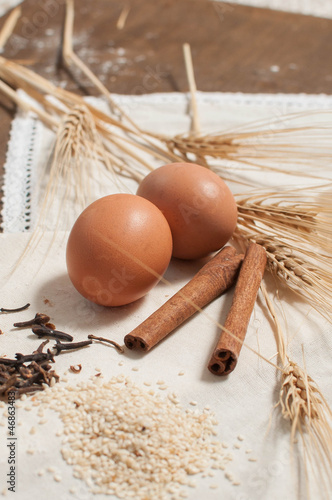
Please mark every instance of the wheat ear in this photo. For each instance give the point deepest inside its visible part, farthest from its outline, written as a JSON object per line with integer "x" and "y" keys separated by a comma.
{"x": 304, "y": 406}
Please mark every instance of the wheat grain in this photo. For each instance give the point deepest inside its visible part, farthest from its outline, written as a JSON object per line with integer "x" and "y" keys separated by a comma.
{"x": 268, "y": 145}
{"x": 293, "y": 227}
{"x": 302, "y": 403}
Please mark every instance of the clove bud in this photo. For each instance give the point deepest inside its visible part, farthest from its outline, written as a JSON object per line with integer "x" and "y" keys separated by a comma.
{"x": 67, "y": 347}
{"x": 39, "y": 319}
{"x": 17, "y": 309}
{"x": 44, "y": 331}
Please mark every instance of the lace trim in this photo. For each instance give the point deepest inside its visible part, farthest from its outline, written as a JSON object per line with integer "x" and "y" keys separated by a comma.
{"x": 320, "y": 8}
{"x": 19, "y": 177}
{"x": 292, "y": 101}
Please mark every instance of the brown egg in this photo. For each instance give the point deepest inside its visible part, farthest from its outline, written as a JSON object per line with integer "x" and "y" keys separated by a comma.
{"x": 197, "y": 204}
{"x": 118, "y": 248}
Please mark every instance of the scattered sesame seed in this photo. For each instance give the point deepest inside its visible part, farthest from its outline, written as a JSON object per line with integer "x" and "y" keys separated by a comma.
{"x": 33, "y": 430}
{"x": 248, "y": 450}
{"x": 30, "y": 451}
{"x": 237, "y": 446}
{"x": 181, "y": 373}
{"x": 160, "y": 382}
{"x": 120, "y": 363}
{"x": 41, "y": 472}
{"x": 114, "y": 432}
{"x": 57, "y": 478}
{"x": 229, "y": 476}
{"x": 193, "y": 403}
{"x": 135, "y": 369}
{"x": 213, "y": 486}
{"x": 224, "y": 445}
{"x": 252, "y": 459}
{"x": 42, "y": 421}
{"x": 148, "y": 384}
{"x": 27, "y": 408}
{"x": 275, "y": 68}
{"x": 50, "y": 469}
{"x": 240, "y": 437}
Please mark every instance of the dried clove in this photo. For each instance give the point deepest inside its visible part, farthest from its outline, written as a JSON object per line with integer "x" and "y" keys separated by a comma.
{"x": 17, "y": 309}
{"x": 22, "y": 378}
{"x": 25, "y": 390}
{"x": 44, "y": 331}
{"x": 112, "y": 342}
{"x": 67, "y": 347}
{"x": 8, "y": 361}
{"x": 41, "y": 347}
{"x": 39, "y": 319}
{"x": 8, "y": 384}
{"x": 38, "y": 357}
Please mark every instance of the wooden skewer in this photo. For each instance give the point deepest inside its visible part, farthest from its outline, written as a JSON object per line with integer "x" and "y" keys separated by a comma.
{"x": 192, "y": 87}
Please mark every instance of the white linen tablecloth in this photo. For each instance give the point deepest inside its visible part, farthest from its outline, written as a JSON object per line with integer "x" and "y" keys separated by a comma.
{"x": 243, "y": 402}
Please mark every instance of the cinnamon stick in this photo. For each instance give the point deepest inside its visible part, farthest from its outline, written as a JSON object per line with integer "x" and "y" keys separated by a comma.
{"x": 226, "y": 353}
{"x": 212, "y": 280}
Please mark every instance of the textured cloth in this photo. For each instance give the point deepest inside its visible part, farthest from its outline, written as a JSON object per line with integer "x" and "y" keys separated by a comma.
{"x": 31, "y": 142}
{"x": 243, "y": 402}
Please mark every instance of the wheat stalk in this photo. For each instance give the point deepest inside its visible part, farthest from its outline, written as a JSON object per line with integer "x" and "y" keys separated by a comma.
{"x": 294, "y": 227}
{"x": 268, "y": 146}
{"x": 87, "y": 138}
{"x": 304, "y": 406}
{"x": 281, "y": 229}
{"x": 9, "y": 26}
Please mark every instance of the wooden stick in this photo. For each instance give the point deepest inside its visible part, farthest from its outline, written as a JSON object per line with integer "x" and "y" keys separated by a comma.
{"x": 123, "y": 17}
{"x": 192, "y": 87}
{"x": 226, "y": 353}
{"x": 211, "y": 281}
{"x": 9, "y": 26}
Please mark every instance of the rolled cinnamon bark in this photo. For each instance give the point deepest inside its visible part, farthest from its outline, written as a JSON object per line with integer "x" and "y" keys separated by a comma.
{"x": 211, "y": 281}
{"x": 226, "y": 353}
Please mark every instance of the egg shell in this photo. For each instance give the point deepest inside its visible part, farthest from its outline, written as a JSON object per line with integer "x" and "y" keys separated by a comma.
{"x": 198, "y": 205}
{"x": 118, "y": 249}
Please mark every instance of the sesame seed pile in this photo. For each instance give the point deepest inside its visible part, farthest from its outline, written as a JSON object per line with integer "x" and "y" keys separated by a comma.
{"x": 124, "y": 441}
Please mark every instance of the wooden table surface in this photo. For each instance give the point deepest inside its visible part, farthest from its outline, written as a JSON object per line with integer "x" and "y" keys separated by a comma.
{"x": 234, "y": 48}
